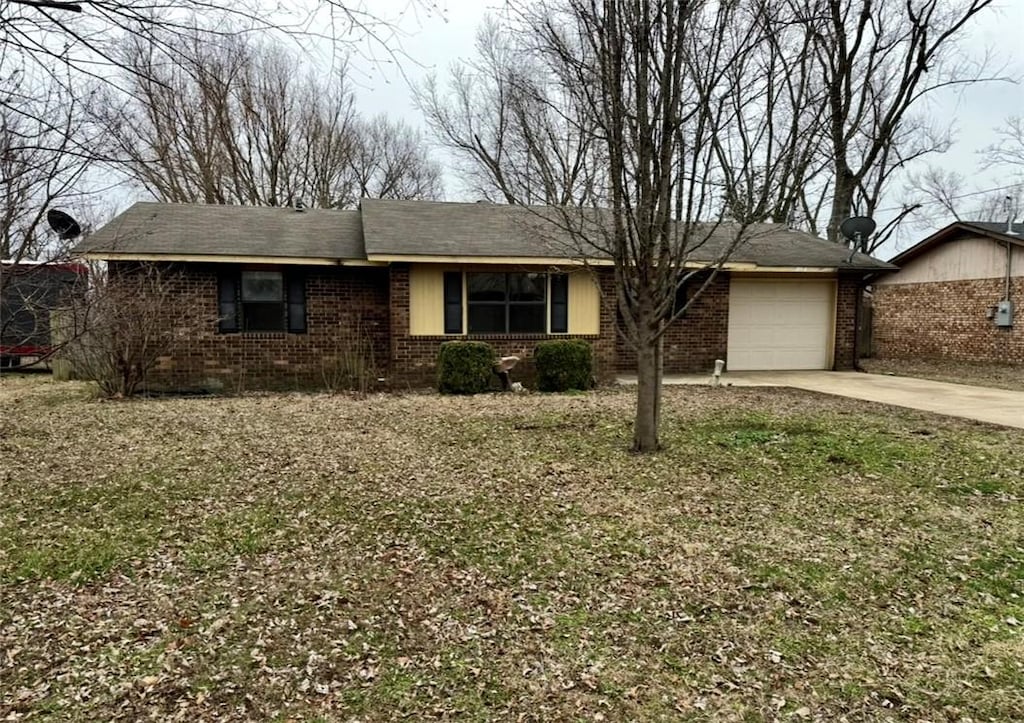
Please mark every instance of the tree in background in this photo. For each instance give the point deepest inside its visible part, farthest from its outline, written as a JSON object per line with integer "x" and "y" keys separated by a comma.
{"x": 948, "y": 190}
{"x": 57, "y": 49}
{"x": 513, "y": 122}
{"x": 46, "y": 154}
{"x": 244, "y": 146}
{"x": 49, "y": 37}
{"x": 232, "y": 122}
{"x": 842, "y": 85}
{"x": 878, "y": 60}
{"x": 45, "y": 161}
{"x": 390, "y": 159}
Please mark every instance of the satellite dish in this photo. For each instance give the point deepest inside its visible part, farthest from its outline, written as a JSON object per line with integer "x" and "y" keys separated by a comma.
{"x": 857, "y": 228}
{"x": 64, "y": 226}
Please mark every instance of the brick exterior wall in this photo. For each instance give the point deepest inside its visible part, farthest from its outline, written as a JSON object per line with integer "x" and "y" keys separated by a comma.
{"x": 947, "y": 319}
{"x": 848, "y": 296}
{"x": 695, "y": 341}
{"x": 342, "y": 305}
{"x": 414, "y": 358}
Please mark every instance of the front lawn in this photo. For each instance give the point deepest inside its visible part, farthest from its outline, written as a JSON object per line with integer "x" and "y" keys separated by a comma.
{"x": 297, "y": 557}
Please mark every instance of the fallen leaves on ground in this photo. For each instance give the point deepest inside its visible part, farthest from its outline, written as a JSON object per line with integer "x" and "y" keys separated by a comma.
{"x": 982, "y": 374}
{"x": 788, "y": 557}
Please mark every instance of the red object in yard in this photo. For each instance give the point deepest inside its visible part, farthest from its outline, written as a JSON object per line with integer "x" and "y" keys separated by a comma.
{"x": 29, "y": 293}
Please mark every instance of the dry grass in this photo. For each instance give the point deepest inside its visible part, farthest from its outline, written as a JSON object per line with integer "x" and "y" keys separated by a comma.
{"x": 790, "y": 557}
{"x": 997, "y": 376}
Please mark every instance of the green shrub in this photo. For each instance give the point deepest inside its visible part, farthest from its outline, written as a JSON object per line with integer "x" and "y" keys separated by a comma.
{"x": 564, "y": 364}
{"x": 465, "y": 367}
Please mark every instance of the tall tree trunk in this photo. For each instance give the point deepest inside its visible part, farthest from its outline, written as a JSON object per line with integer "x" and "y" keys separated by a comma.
{"x": 842, "y": 204}
{"x": 645, "y": 428}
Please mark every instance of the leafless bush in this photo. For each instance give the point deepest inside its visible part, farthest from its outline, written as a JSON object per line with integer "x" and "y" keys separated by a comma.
{"x": 125, "y": 323}
{"x": 351, "y": 365}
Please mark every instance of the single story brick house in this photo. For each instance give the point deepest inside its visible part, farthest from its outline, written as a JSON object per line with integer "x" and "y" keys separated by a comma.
{"x": 956, "y": 296}
{"x": 294, "y": 289}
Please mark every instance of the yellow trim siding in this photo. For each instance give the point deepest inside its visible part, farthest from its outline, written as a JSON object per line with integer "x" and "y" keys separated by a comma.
{"x": 561, "y": 261}
{"x": 481, "y": 262}
{"x": 764, "y": 274}
{"x": 584, "y": 304}
{"x": 212, "y": 259}
{"x": 490, "y": 260}
{"x": 426, "y": 300}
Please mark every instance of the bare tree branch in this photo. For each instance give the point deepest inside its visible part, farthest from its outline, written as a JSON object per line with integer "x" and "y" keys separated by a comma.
{"x": 232, "y": 122}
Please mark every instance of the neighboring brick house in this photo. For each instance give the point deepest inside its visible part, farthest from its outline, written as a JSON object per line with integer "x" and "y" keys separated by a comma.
{"x": 296, "y": 291}
{"x": 950, "y": 298}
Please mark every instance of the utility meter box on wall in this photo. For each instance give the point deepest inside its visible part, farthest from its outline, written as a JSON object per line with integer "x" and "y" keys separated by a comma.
{"x": 1004, "y": 313}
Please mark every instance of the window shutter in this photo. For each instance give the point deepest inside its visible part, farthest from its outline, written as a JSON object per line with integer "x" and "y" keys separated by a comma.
{"x": 453, "y": 302}
{"x": 682, "y": 296}
{"x": 227, "y": 303}
{"x": 559, "y": 303}
{"x": 296, "y": 303}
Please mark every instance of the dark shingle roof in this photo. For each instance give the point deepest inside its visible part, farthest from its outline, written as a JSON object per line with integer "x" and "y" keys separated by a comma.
{"x": 418, "y": 228}
{"x": 214, "y": 230}
{"x": 425, "y": 228}
{"x": 999, "y": 228}
{"x": 777, "y": 245}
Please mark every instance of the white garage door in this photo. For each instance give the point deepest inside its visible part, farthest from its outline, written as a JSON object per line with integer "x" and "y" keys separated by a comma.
{"x": 780, "y": 324}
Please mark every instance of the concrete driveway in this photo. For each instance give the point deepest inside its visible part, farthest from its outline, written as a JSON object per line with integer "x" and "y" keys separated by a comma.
{"x": 996, "y": 406}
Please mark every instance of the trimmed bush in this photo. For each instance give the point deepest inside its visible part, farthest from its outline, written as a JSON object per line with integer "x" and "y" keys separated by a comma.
{"x": 465, "y": 367}
{"x": 564, "y": 364}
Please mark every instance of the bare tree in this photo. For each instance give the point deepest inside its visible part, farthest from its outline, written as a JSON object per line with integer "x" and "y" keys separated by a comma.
{"x": 878, "y": 60}
{"x": 388, "y": 161}
{"x": 777, "y": 121}
{"x": 947, "y": 191}
{"x": 655, "y": 81}
{"x": 45, "y": 159}
{"x": 1008, "y": 150}
{"x": 514, "y": 124}
{"x": 232, "y": 122}
{"x": 844, "y": 86}
{"x": 69, "y": 47}
{"x": 1001, "y": 206}
{"x": 939, "y": 188}
{"x": 48, "y": 37}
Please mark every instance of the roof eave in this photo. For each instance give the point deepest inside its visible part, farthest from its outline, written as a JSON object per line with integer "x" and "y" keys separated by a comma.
{"x": 948, "y": 233}
{"x": 392, "y": 258}
{"x": 225, "y": 258}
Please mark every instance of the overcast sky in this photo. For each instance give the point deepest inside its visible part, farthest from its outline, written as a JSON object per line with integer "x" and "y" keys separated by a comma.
{"x": 434, "y": 40}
